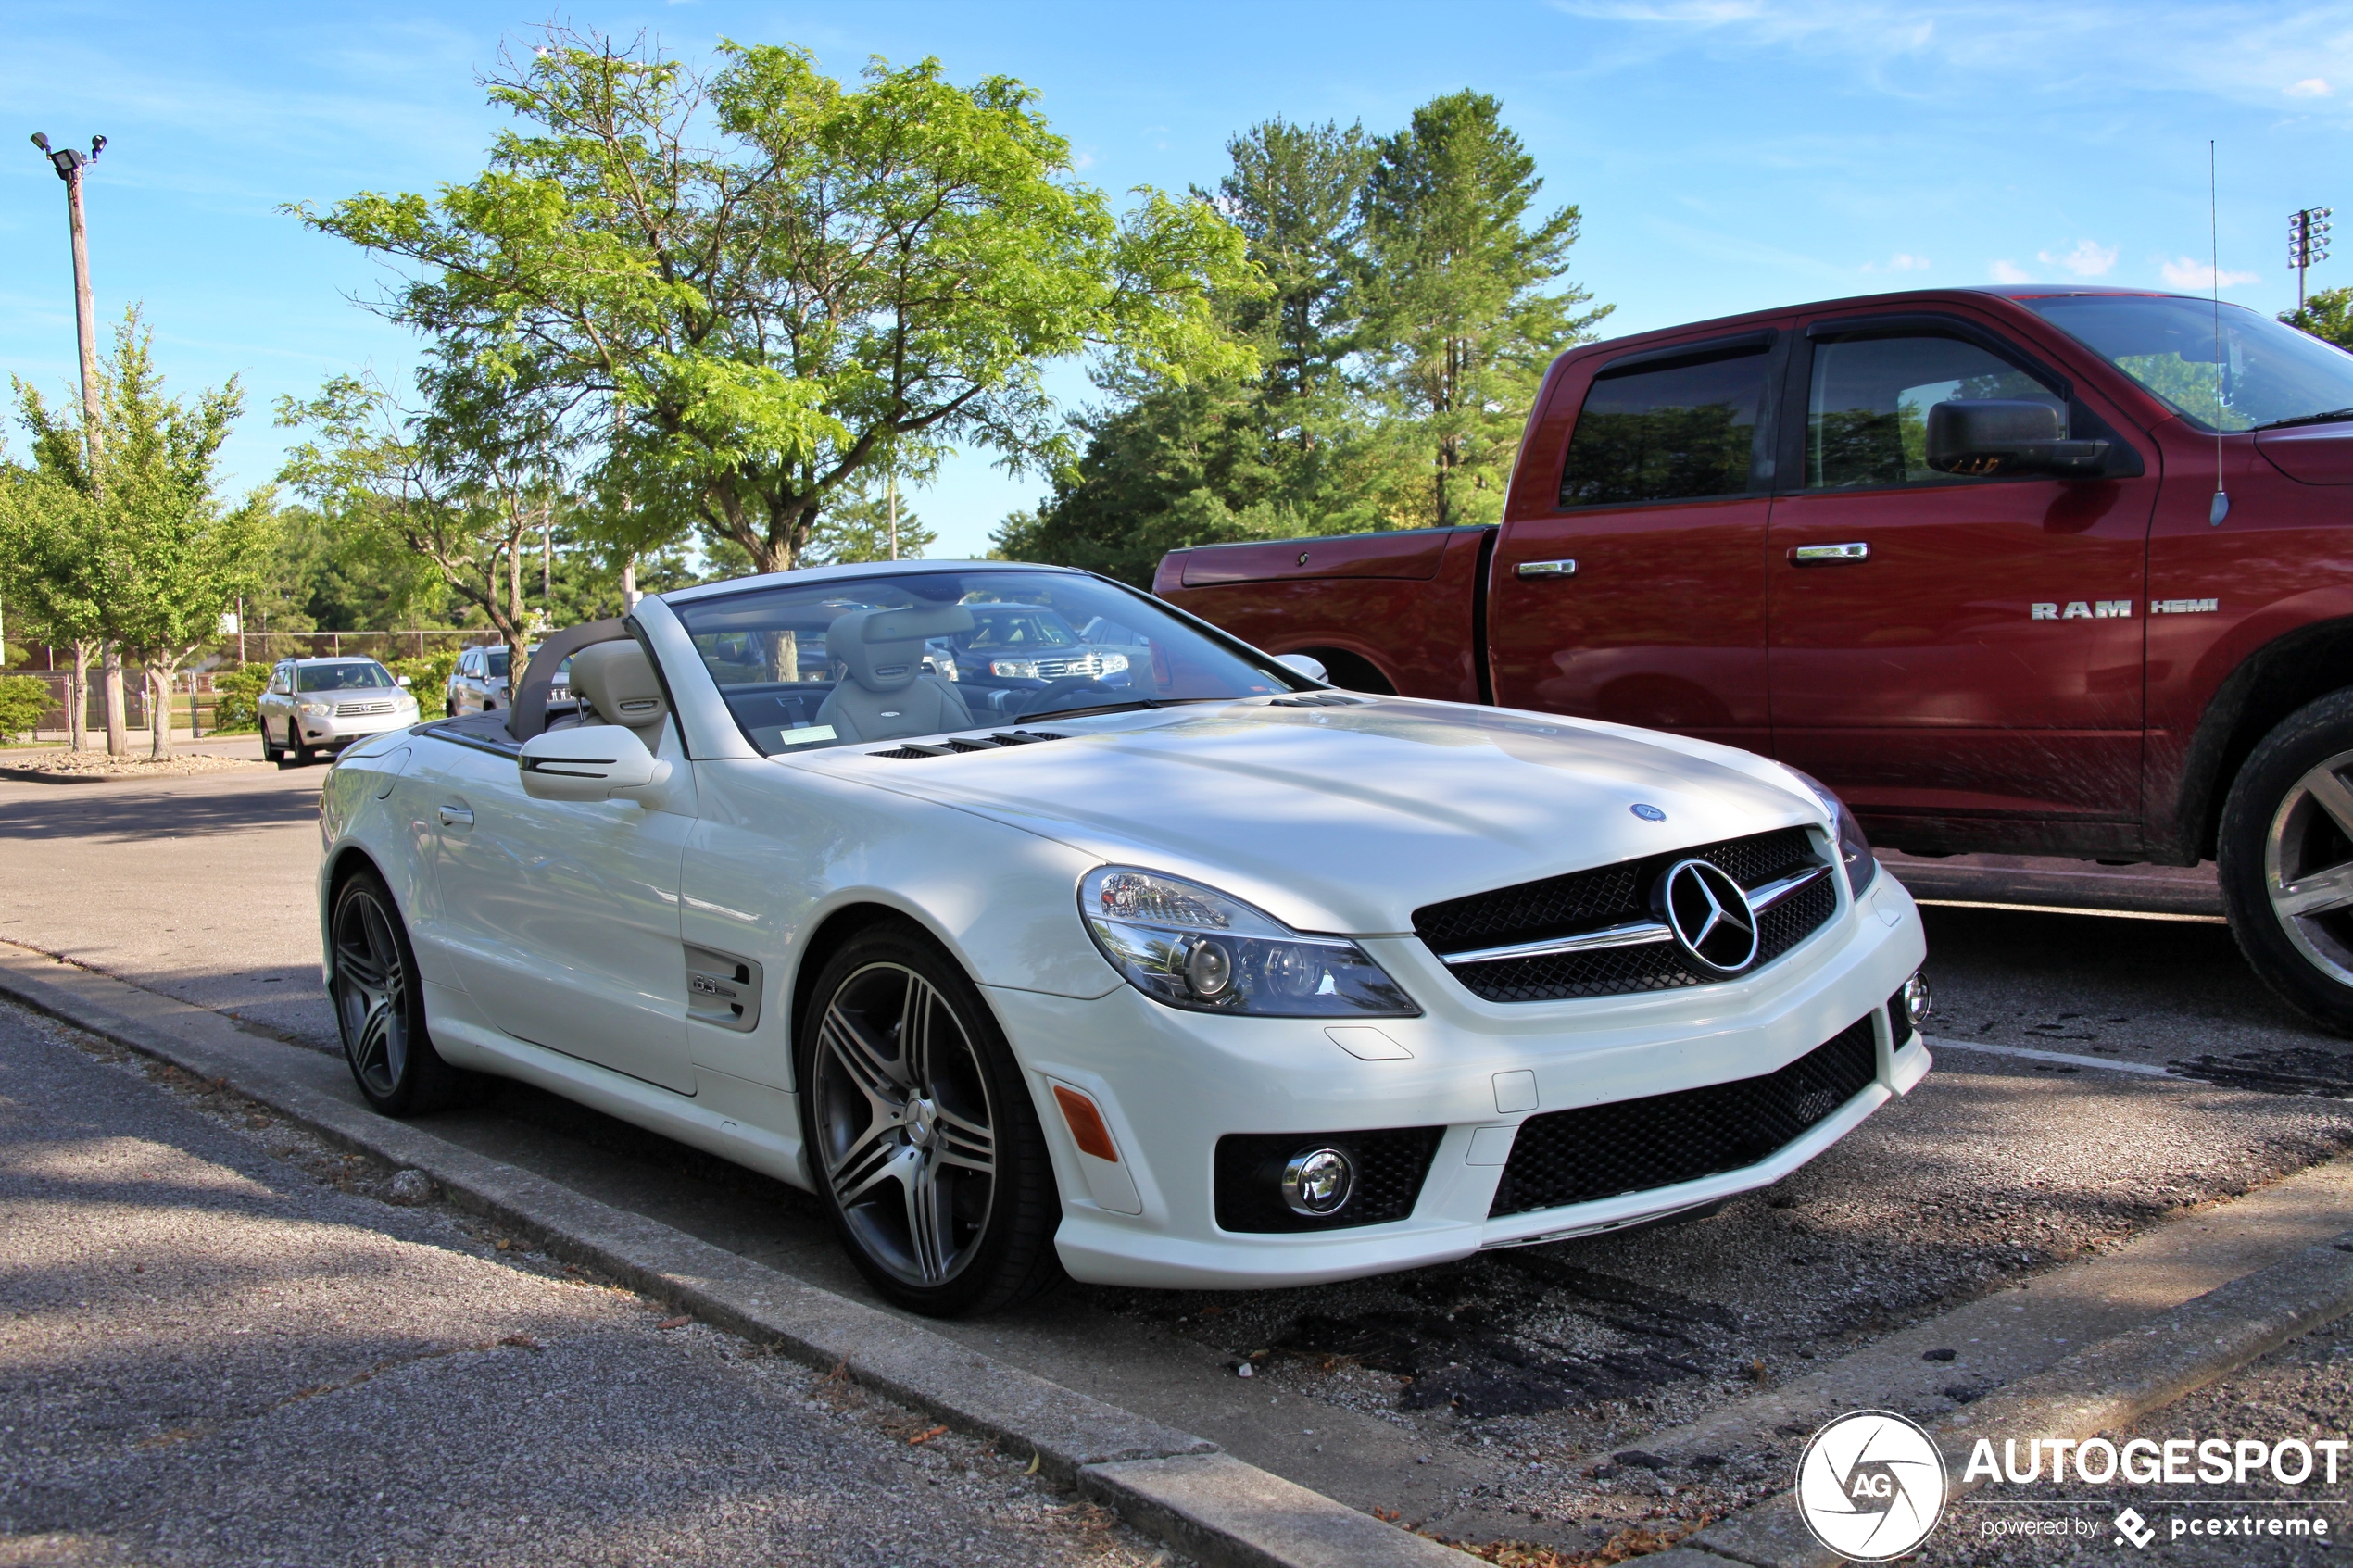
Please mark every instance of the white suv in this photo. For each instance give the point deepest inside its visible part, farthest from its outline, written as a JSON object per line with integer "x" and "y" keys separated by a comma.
{"x": 479, "y": 682}
{"x": 325, "y": 703}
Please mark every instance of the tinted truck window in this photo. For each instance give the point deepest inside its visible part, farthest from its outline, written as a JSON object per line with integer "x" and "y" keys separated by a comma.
{"x": 1681, "y": 431}
{"x": 1866, "y": 418}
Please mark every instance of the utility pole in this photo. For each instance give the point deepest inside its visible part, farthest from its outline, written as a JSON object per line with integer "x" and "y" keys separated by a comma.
{"x": 2308, "y": 244}
{"x": 68, "y": 163}
{"x": 893, "y": 489}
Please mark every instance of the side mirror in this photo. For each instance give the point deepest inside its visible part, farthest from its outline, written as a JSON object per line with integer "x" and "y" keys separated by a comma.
{"x": 1998, "y": 435}
{"x": 402, "y": 679}
{"x": 1307, "y": 664}
{"x": 596, "y": 762}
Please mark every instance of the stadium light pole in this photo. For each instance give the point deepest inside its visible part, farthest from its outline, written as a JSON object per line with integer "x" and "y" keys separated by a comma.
{"x": 69, "y": 162}
{"x": 2308, "y": 244}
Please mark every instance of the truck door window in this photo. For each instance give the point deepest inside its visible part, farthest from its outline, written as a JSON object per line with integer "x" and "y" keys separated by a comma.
{"x": 1866, "y": 416}
{"x": 1678, "y": 430}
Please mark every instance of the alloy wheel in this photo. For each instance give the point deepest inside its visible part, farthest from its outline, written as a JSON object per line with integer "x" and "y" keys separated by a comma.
{"x": 372, "y": 993}
{"x": 2308, "y": 867}
{"x": 905, "y": 1123}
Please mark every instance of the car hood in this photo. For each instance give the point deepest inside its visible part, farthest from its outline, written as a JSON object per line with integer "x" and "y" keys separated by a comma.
{"x": 1347, "y": 819}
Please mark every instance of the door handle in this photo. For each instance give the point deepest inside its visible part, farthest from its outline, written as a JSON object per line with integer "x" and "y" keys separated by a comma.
{"x": 1546, "y": 568}
{"x": 456, "y": 817}
{"x": 1828, "y": 554}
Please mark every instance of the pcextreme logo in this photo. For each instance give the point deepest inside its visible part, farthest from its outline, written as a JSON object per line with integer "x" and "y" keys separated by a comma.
{"x": 1870, "y": 1485}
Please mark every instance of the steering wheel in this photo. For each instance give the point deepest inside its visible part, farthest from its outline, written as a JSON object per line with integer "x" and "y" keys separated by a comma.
{"x": 1036, "y": 701}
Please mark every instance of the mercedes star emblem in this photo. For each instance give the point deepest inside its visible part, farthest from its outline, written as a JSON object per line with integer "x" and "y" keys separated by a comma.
{"x": 1709, "y": 915}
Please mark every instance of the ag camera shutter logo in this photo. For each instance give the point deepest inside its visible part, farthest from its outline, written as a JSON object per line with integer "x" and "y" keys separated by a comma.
{"x": 1870, "y": 1485}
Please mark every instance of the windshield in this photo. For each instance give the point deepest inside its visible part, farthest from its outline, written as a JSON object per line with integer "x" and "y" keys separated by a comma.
{"x": 2265, "y": 373}
{"x": 848, "y": 660}
{"x": 351, "y": 675}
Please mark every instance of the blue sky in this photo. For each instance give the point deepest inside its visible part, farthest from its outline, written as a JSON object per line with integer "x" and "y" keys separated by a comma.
{"x": 1728, "y": 155}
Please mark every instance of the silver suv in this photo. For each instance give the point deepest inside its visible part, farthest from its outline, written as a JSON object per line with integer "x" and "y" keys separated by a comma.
{"x": 315, "y": 705}
{"x": 478, "y": 684}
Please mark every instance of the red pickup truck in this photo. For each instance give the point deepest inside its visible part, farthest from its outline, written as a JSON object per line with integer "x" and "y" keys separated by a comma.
{"x": 2032, "y": 570}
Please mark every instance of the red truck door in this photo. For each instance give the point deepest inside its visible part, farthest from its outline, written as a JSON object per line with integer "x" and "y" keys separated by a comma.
{"x": 1635, "y": 591}
{"x": 1945, "y": 646}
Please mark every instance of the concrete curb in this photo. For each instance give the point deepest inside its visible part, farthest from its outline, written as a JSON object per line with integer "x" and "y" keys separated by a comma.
{"x": 1166, "y": 1482}
{"x": 2145, "y": 1369}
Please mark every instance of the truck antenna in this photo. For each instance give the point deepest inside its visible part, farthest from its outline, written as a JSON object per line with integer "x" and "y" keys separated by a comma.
{"x": 2220, "y": 507}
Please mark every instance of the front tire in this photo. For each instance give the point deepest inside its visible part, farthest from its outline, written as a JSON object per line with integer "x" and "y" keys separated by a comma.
{"x": 921, "y": 1130}
{"x": 271, "y": 750}
{"x": 379, "y": 1003}
{"x": 2284, "y": 852}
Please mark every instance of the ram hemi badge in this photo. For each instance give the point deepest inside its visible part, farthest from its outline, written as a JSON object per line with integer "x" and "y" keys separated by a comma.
{"x": 2084, "y": 609}
{"x": 2184, "y": 607}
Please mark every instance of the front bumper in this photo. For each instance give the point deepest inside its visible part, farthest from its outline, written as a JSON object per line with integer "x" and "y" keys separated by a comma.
{"x": 1170, "y": 1084}
{"x": 341, "y": 730}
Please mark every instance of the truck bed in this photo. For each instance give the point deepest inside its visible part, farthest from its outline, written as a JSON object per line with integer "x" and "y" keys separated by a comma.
{"x": 1400, "y": 612}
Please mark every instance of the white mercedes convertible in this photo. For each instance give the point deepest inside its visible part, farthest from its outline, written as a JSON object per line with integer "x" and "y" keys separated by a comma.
{"x": 1152, "y": 958}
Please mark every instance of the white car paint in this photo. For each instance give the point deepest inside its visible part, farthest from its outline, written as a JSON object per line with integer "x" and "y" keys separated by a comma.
{"x": 551, "y": 937}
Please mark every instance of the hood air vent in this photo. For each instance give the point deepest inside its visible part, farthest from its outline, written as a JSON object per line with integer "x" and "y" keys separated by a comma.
{"x": 970, "y": 743}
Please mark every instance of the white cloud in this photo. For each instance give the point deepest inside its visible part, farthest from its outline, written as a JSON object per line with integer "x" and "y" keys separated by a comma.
{"x": 2310, "y": 87}
{"x": 2186, "y": 273}
{"x": 1901, "y": 261}
{"x": 2011, "y": 272}
{"x": 2088, "y": 259}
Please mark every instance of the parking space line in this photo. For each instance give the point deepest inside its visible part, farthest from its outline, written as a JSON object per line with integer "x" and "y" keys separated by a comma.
{"x": 2106, "y": 1064}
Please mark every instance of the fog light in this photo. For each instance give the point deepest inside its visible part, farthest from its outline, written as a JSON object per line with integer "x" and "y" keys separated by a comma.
{"x": 1916, "y": 1006}
{"x": 1319, "y": 1181}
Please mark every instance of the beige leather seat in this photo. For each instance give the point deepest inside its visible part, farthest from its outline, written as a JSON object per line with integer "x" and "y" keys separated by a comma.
{"x": 619, "y": 681}
{"x": 885, "y": 695}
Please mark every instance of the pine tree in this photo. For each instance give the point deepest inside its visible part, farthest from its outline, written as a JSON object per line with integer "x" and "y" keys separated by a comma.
{"x": 1465, "y": 299}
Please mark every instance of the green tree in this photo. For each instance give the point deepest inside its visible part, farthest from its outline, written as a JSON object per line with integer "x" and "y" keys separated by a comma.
{"x": 1169, "y": 465}
{"x": 163, "y": 556}
{"x": 1467, "y": 302}
{"x": 53, "y": 554}
{"x": 859, "y": 528}
{"x": 2328, "y": 314}
{"x": 750, "y": 320}
{"x": 467, "y": 484}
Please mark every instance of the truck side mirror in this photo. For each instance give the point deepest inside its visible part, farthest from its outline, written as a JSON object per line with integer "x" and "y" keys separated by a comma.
{"x": 2000, "y": 435}
{"x": 1307, "y": 664}
{"x": 592, "y": 762}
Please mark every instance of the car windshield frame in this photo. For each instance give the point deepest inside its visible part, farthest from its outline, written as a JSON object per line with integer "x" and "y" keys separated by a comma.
{"x": 303, "y": 682}
{"x": 738, "y": 634}
{"x": 2267, "y": 374}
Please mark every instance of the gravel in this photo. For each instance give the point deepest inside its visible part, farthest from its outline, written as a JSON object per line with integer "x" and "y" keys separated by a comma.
{"x": 97, "y": 764}
{"x": 220, "y": 1345}
{"x": 2303, "y": 1390}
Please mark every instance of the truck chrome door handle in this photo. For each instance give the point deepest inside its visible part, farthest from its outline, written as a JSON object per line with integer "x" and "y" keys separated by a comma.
{"x": 1546, "y": 568}
{"x": 1828, "y": 554}
{"x": 456, "y": 817}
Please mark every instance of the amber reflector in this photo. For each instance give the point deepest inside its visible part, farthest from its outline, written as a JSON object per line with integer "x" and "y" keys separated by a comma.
{"x": 1086, "y": 1125}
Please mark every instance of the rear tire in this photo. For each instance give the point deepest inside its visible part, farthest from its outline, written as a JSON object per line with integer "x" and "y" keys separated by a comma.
{"x": 921, "y": 1130}
{"x": 2284, "y": 852}
{"x": 379, "y": 1002}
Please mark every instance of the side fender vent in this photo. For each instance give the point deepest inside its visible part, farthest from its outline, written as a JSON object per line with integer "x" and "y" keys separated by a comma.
{"x": 951, "y": 747}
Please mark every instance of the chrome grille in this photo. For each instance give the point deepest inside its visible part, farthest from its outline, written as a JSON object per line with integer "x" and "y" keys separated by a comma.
{"x": 361, "y": 710}
{"x": 1058, "y": 668}
{"x": 1596, "y": 904}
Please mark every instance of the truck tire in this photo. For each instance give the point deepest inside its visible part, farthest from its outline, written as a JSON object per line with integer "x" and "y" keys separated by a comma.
{"x": 2285, "y": 855}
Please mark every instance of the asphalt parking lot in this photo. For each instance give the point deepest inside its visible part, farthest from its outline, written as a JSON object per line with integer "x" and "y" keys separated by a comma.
{"x": 1489, "y": 1399}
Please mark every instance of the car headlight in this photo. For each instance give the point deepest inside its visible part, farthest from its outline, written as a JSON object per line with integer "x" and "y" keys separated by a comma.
{"x": 1189, "y": 946}
{"x": 1853, "y": 849}
{"x": 316, "y": 709}
{"x": 1113, "y": 663}
{"x": 1014, "y": 669}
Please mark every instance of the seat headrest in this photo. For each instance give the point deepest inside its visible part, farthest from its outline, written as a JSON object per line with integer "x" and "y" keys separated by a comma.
{"x": 882, "y": 649}
{"x": 619, "y": 681}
